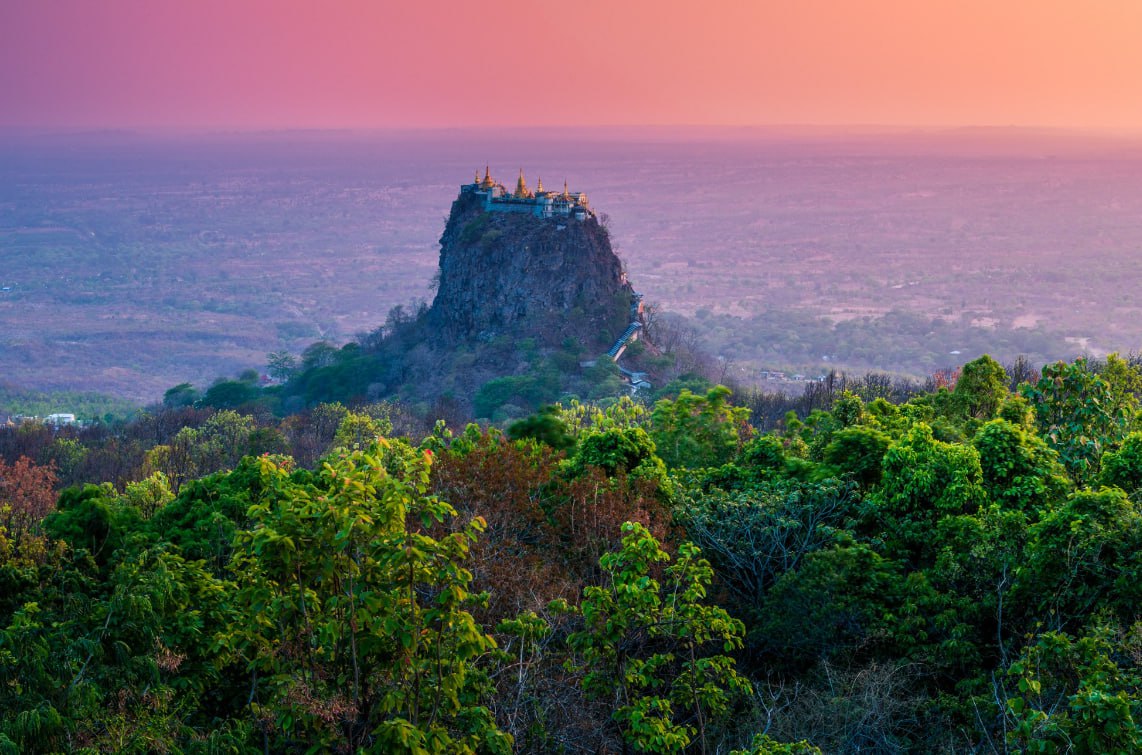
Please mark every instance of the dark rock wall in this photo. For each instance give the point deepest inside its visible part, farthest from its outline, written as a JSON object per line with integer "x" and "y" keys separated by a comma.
{"x": 520, "y": 276}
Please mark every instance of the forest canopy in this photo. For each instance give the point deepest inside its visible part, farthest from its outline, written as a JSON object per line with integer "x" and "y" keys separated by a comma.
{"x": 957, "y": 568}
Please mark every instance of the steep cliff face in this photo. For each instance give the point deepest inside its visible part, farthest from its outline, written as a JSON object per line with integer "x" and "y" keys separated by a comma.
{"x": 520, "y": 276}
{"x": 525, "y": 310}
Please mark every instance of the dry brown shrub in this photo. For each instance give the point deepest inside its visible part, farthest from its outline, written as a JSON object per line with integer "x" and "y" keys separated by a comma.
{"x": 27, "y": 495}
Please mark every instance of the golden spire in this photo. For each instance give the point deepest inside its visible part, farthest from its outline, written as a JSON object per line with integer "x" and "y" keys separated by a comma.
{"x": 477, "y": 181}
{"x": 566, "y": 194}
{"x": 539, "y": 186}
{"x": 521, "y": 190}
{"x": 487, "y": 183}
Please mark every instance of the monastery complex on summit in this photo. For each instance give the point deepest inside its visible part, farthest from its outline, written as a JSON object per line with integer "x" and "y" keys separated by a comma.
{"x": 541, "y": 203}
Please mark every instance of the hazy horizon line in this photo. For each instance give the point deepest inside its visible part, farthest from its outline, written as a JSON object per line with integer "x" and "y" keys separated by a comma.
{"x": 1034, "y": 141}
{"x": 861, "y": 128}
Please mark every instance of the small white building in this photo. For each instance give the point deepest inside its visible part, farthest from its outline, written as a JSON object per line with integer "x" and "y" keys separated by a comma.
{"x": 60, "y": 419}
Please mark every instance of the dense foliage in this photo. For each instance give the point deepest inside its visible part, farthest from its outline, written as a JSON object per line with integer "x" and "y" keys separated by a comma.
{"x": 958, "y": 570}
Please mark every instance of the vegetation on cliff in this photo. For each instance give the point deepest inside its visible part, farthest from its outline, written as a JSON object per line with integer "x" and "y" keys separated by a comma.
{"x": 525, "y": 311}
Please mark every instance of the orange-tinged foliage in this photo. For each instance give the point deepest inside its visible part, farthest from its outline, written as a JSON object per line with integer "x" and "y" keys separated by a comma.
{"x": 27, "y": 495}
{"x": 545, "y": 532}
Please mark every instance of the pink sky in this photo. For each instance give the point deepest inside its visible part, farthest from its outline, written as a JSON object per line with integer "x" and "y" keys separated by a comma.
{"x": 375, "y": 63}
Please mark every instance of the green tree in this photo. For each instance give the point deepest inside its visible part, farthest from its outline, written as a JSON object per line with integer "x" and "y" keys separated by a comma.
{"x": 981, "y": 389}
{"x": 758, "y": 533}
{"x": 976, "y": 614}
{"x": 622, "y": 414}
{"x": 183, "y": 394}
{"x": 353, "y": 618}
{"x": 90, "y": 518}
{"x": 698, "y": 431}
{"x": 220, "y": 443}
{"x": 1125, "y": 381}
{"x": 857, "y": 453}
{"x": 359, "y": 430}
{"x": 644, "y": 646}
{"x": 318, "y": 354}
{"x": 1078, "y": 415}
{"x": 924, "y": 481}
{"x": 207, "y": 513}
{"x": 1019, "y": 470}
{"x": 118, "y": 658}
{"x": 765, "y": 745}
{"x": 1123, "y": 468}
{"x": 1075, "y": 695}
{"x": 230, "y": 394}
{"x": 764, "y": 457}
{"x": 546, "y": 426}
{"x": 614, "y": 450}
{"x": 148, "y": 495}
{"x": 282, "y": 365}
{"x": 839, "y": 598}
{"x": 66, "y": 455}
{"x": 1083, "y": 557}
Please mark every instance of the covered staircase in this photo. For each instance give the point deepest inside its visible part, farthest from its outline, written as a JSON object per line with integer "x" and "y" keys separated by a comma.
{"x": 628, "y": 335}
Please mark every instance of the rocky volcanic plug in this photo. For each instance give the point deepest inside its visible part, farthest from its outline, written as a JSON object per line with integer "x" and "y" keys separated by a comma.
{"x": 519, "y": 273}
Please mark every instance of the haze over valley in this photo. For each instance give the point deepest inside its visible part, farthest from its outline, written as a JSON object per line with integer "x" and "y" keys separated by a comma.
{"x": 134, "y": 262}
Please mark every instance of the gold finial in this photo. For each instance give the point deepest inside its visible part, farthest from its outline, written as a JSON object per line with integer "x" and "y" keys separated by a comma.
{"x": 487, "y": 183}
{"x": 539, "y": 186}
{"x": 477, "y": 176}
{"x": 521, "y": 190}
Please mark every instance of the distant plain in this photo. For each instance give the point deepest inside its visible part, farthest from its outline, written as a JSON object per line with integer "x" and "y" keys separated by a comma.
{"x": 130, "y": 263}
